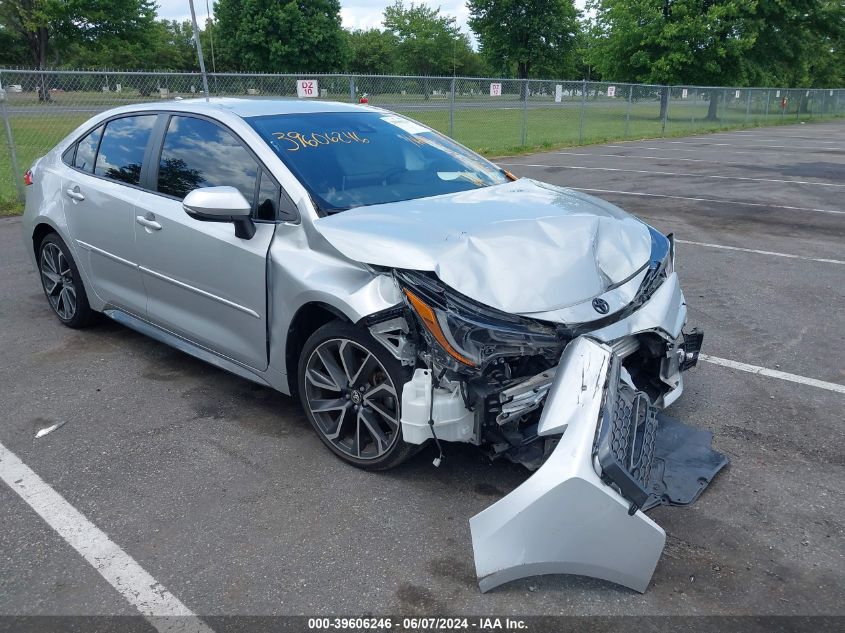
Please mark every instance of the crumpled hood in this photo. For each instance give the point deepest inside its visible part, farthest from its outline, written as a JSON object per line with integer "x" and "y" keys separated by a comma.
{"x": 520, "y": 247}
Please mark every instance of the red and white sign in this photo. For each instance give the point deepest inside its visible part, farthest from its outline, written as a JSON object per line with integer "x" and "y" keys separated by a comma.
{"x": 495, "y": 90}
{"x": 684, "y": 93}
{"x": 611, "y": 91}
{"x": 306, "y": 88}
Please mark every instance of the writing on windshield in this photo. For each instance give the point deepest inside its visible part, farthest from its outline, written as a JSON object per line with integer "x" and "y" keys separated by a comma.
{"x": 359, "y": 158}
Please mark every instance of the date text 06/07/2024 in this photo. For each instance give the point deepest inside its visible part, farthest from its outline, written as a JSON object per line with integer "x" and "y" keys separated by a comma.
{"x": 418, "y": 624}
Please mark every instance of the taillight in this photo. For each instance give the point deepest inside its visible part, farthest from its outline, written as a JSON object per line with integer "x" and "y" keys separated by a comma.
{"x": 27, "y": 177}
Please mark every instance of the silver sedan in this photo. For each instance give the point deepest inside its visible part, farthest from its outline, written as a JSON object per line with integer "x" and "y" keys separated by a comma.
{"x": 407, "y": 290}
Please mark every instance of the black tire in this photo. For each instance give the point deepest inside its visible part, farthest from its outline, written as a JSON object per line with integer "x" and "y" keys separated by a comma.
{"x": 60, "y": 280}
{"x": 370, "y": 417}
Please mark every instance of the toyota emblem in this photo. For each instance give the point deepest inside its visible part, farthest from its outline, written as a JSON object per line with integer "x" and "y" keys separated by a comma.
{"x": 601, "y": 306}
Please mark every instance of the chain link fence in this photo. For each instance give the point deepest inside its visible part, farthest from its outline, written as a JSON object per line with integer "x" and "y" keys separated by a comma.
{"x": 493, "y": 116}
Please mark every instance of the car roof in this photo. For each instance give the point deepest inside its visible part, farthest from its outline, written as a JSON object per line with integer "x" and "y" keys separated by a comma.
{"x": 253, "y": 107}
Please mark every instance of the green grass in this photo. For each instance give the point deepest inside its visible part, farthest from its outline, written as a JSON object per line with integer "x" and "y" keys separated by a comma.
{"x": 490, "y": 131}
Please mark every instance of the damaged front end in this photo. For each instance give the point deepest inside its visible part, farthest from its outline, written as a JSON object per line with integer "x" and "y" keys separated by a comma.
{"x": 580, "y": 404}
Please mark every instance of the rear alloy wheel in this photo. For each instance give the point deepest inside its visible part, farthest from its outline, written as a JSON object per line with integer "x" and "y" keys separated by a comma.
{"x": 62, "y": 283}
{"x": 350, "y": 387}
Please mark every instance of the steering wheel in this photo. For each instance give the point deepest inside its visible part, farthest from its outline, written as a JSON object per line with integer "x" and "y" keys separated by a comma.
{"x": 392, "y": 174}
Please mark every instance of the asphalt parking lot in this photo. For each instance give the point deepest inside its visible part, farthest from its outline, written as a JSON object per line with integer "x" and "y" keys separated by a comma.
{"x": 220, "y": 490}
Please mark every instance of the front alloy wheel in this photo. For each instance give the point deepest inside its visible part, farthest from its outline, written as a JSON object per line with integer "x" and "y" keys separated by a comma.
{"x": 350, "y": 387}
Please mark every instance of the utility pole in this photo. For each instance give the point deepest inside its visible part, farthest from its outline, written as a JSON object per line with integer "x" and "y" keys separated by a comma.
{"x": 199, "y": 48}
{"x": 209, "y": 24}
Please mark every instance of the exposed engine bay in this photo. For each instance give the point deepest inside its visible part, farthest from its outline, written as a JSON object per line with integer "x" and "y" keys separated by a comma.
{"x": 583, "y": 399}
{"x": 481, "y": 376}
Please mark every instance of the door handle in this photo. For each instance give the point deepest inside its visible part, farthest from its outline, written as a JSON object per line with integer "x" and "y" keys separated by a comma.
{"x": 76, "y": 194}
{"x": 148, "y": 223}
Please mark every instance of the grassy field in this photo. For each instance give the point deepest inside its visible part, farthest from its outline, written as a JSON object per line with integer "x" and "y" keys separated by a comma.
{"x": 491, "y": 131}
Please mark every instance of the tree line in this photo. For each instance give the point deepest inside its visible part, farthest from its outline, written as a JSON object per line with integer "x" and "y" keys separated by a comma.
{"x": 798, "y": 43}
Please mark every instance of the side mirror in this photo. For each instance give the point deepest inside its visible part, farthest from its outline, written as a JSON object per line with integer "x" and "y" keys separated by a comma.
{"x": 221, "y": 204}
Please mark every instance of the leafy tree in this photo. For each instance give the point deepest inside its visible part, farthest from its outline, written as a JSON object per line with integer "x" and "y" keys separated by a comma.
{"x": 800, "y": 43}
{"x": 470, "y": 63}
{"x": 700, "y": 42}
{"x": 528, "y": 35}
{"x": 428, "y": 43}
{"x": 43, "y": 24}
{"x": 164, "y": 45}
{"x": 372, "y": 52}
{"x": 280, "y": 35}
{"x": 13, "y": 49}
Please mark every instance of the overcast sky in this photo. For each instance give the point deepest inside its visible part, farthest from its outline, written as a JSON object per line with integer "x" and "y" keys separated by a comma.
{"x": 356, "y": 14}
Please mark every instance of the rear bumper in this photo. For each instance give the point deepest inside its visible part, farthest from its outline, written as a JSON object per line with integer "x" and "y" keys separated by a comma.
{"x": 580, "y": 513}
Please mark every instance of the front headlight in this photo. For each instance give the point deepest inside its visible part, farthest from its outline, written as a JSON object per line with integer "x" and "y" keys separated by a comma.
{"x": 661, "y": 265}
{"x": 662, "y": 251}
{"x": 466, "y": 334}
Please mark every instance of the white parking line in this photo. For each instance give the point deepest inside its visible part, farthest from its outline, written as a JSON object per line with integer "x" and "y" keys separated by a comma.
{"x": 672, "y": 158}
{"x": 749, "y": 137}
{"x": 773, "y": 373}
{"x": 739, "y": 202}
{"x": 160, "y": 607}
{"x": 758, "y": 252}
{"x": 800, "y": 147}
{"x": 686, "y": 149}
{"x": 672, "y": 173}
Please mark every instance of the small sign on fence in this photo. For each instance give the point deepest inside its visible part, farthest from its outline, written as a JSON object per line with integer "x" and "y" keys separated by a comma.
{"x": 611, "y": 91}
{"x": 495, "y": 90}
{"x": 777, "y": 94}
{"x": 558, "y": 93}
{"x": 736, "y": 96}
{"x": 306, "y": 88}
{"x": 684, "y": 93}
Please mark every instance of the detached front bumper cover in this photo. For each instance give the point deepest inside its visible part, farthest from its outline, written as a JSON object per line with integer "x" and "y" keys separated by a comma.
{"x": 581, "y": 512}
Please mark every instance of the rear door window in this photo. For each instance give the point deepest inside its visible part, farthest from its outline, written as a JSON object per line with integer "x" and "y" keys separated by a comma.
{"x": 122, "y": 148}
{"x": 198, "y": 153}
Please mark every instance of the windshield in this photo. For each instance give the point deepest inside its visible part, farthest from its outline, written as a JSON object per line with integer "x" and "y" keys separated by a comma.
{"x": 353, "y": 159}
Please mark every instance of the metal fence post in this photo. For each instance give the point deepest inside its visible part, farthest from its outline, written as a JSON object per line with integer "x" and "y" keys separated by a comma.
{"x": 665, "y": 116}
{"x": 524, "y": 134}
{"x": 693, "y": 103}
{"x": 768, "y": 99}
{"x": 351, "y": 88}
{"x": 581, "y": 115}
{"x": 16, "y": 172}
{"x": 747, "y": 106}
{"x": 452, "y": 109}
{"x": 628, "y": 109}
